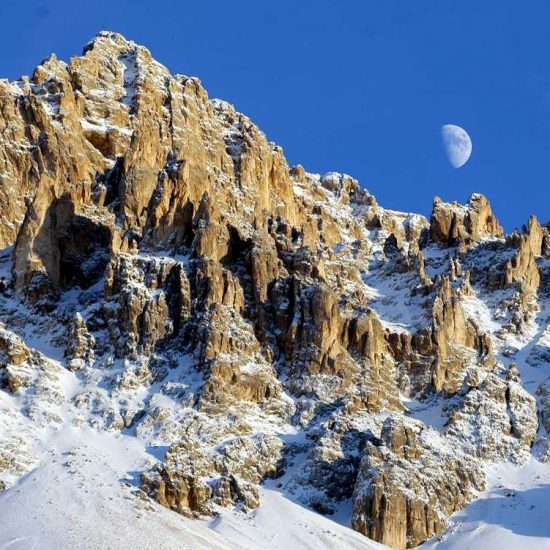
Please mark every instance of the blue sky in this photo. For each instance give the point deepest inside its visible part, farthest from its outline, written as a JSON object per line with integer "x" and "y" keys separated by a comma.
{"x": 358, "y": 86}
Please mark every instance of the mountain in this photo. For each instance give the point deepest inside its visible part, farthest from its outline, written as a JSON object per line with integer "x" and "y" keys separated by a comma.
{"x": 202, "y": 347}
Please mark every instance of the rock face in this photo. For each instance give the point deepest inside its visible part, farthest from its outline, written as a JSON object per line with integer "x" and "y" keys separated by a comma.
{"x": 452, "y": 223}
{"x": 171, "y": 276}
{"x": 523, "y": 268}
{"x": 80, "y": 344}
{"x": 453, "y": 334}
{"x": 512, "y": 410}
{"x": 409, "y": 482}
{"x": 147, "y": 301}
{"x": 193, "y": 479}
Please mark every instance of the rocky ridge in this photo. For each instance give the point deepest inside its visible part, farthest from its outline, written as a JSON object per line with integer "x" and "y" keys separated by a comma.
{"x": 167, "y": 275}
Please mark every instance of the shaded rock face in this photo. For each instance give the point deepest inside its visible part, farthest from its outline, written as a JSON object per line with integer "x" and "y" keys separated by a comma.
{"x": 255, "y": 320}
{"x": 80, "y": 344}
{"x": 148, "y": 300}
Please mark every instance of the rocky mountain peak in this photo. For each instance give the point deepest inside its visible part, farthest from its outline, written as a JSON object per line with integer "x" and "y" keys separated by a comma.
{"x": 105, "y": 39}
{"x": 166, "y": 275}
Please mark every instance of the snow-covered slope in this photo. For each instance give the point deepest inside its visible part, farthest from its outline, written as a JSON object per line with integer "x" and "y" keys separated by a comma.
{"x": 511, "y": 514}
{"x": 85, "y": 495}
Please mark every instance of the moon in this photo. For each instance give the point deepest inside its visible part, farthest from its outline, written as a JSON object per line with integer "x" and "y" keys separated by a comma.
{"x": 457, "y": 144}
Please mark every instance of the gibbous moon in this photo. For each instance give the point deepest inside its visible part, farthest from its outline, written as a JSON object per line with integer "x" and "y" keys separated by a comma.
{"x": 457, "y": 143}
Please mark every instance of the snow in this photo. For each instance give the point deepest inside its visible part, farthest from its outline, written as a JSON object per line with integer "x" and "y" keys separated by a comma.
{"x": 478, "y": 311}
{"x": 533, "y": 372}
{"x": 131, "y": 73}
{"x": 83, "y": 496}
{"x": 81, "y": 487}
{"x": 5, "y": 263}
{"x": 280, "y": 523}
{"x": 81, "y": 484}
{"x": 430, "y": 413}
{"x": 392, "y": 302}
{"x": 437, "y": 260}
{"x": 512, "y": 514}
{"x": 303, "y": 528}
{"x": 83, "y": 490}
{"x": 101, "y": 127}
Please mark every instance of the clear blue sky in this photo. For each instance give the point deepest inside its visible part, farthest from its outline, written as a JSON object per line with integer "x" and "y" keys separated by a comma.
{"x": 356, "y": 86}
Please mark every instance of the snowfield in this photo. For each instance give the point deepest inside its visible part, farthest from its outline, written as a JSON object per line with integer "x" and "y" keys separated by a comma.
{"x": 84, "y": 495}
{"x": 512, "y": 514}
